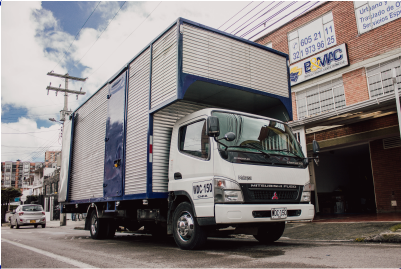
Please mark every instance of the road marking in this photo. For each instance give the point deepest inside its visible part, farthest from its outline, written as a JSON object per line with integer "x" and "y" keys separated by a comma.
{"x": 51, "y": 255}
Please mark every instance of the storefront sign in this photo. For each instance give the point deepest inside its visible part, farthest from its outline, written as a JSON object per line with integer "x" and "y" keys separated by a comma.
{"x": 372, "y": 14}
{"x": 319, "y": 64}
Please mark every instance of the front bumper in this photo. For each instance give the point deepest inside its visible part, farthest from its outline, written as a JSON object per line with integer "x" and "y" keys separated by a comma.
{"x": 243, "y": 213}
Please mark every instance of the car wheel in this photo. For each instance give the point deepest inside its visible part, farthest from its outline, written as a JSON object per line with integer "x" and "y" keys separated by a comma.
{"x": 36, "y": 226}
{"x": 98, "y": 226}
{"x": 270, "y": 232}
{"x": 186, "y": 230}
{"x": 43, "y": 225}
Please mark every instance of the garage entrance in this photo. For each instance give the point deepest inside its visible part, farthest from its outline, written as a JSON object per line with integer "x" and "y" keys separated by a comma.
{"x": 344, "y": 181}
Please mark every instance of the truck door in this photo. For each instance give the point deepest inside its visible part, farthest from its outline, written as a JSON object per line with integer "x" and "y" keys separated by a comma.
{"x": 193, "y": 168}
{"x": 114, "y": 140}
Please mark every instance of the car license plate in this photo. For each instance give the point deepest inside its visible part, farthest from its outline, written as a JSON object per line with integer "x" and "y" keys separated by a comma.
{"x": 33, "y": 221}
{"x": 279, "y": 213}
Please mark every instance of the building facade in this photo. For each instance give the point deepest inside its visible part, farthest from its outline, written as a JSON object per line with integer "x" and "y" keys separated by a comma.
{"x": 17, "y": 174}
{"x": 342, "y": 56}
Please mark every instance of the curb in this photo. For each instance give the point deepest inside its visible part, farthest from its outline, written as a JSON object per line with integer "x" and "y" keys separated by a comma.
{"x": 386, "y": 237}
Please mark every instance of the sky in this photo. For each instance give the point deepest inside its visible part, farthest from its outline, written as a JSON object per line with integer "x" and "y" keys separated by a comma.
{"x": 93, "y": 40}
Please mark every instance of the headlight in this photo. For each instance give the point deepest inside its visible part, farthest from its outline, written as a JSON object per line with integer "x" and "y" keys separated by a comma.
{"x": 306, "y": 193}
{"x": 305, "y": 196}
{"x": 227, "y": 191}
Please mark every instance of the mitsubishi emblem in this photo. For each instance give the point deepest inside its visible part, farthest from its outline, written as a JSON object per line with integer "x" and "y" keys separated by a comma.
{"x": 275, "y": 197}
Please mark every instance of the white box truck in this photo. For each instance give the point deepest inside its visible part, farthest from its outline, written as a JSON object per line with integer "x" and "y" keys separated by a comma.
{"x": 187, "y": 139}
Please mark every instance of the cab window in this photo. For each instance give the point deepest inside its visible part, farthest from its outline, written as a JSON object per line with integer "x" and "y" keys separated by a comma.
{"x": 193, "y": 140}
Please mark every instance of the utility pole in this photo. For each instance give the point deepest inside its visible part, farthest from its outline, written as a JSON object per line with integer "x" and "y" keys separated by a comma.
{"x": 65, "y": 112}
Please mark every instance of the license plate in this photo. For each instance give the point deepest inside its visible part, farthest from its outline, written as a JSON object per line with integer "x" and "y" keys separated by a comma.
{"x": 279, "y": 213}
{"x": 33, "y": 221}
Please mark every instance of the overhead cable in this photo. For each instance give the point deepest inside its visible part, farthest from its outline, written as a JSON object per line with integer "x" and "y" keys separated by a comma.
{"x": 282, "y": 18}
{"x": 272, "y": 16}
{"x": 235, "y": 15}
{"x": 250, "y": 17}
{"x": 126, "y": 38}
{"x": 102, "y": 32}
{"x": 279, "y": 3}
{"x": 76, "y": 36}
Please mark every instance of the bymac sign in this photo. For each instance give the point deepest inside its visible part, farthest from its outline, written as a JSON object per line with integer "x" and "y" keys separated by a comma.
{"x": 319, "y": 64}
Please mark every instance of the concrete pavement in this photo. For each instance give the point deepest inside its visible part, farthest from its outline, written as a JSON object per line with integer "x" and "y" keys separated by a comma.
{"x": 357, "y": 229}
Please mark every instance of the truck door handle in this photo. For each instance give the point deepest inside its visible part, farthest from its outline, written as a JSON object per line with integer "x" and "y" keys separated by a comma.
{"x": 177, "y": 175}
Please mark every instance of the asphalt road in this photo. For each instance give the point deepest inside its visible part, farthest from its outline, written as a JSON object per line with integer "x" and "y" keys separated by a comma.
{"x": 64, "y": 247}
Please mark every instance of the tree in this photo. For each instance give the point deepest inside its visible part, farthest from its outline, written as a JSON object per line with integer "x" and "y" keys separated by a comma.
{"x": 8, "y": 194}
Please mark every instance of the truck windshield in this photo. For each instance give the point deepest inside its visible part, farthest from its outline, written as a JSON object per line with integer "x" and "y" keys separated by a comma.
{"x": 255, "y": 135}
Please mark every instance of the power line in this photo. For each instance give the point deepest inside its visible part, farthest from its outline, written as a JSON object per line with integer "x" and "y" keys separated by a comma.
{"x": 21, "y": 147}
{"x": 272, "y": 16}
{"x": 32, "y": 132}
{"x": 279, "y": 3}
{"x": 281, "y": 19}
{"x": 235, "y": 15}
{"x": 251, "y": 17}
{"x": 77, "y": 35}
{"x": 102, "y": 32}
{"x": 126, "y": 38}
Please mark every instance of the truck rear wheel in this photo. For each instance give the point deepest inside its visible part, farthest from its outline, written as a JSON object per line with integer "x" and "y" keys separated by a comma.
{"x": 270, "y": 232}
{"x": 187, "y": 233}
{"x": 98, "y": 227}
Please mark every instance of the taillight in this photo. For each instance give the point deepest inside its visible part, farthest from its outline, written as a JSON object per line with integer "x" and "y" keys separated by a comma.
{"x": 43, "y": 213}
{"x": 21, "y": 213}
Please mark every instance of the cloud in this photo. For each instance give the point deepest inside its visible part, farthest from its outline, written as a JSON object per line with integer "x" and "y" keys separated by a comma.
{"x": 33, "y": 44}
{"x": 23, "y": 140}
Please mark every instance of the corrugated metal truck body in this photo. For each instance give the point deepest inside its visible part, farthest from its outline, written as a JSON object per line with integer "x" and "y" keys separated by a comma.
{"x": 116, "y": 147}
{"x": 187, "y": 68}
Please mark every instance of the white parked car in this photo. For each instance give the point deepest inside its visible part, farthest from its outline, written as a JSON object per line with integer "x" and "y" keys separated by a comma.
{"x": 28, "y": 215}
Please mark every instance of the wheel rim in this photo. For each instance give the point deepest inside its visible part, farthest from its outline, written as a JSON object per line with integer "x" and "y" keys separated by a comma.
{"x": 185, "y": 226}
{"x": 94, "y": 224}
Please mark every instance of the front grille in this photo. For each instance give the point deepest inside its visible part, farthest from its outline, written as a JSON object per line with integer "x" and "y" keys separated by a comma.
{"x": 268, "y": 195}
{"x": 271, "y": 195}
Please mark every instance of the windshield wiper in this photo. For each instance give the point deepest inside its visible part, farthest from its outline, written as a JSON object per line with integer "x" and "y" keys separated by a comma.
{"x": 254, "y": 147}
{"x": 287, "y": 150}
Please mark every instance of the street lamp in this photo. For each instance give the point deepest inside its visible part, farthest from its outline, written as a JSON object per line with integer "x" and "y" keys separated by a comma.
{"x": 52, "y": 119}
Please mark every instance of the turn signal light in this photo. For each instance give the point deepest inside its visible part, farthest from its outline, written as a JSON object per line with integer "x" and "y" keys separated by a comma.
{"x": 21, "y": 213}
{"x": 43, "y": 213}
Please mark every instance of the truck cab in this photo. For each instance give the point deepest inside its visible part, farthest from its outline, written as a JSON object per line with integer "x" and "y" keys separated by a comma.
{"x": 239, "y": 170}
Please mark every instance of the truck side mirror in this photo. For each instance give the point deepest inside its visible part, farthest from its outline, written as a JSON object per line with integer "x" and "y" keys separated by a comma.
{"x": 316, "y": 148}
{"x": 212, "y": 126}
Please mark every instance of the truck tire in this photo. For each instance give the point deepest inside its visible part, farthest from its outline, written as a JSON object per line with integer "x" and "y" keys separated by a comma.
{"x": 187, "y": 233}
{"x": 270, "y": 232}
{"x": 98, "y": 226}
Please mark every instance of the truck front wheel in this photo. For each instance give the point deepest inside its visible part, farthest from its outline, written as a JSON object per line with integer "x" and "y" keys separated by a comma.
{"x": 270, "y": 232}
{"x": 187, "y": 233}
{"x": 98, "y": 227}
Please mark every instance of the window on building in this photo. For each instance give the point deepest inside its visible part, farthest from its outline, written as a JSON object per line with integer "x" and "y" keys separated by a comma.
{"x": 194, "y": 141}
{"x": 312, "y": 38}
{"x": 380, "y": 77}
{"x": 321, "y": 98}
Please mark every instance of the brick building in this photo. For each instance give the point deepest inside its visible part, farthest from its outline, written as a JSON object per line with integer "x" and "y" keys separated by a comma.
{"x": 341, "y": 62}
